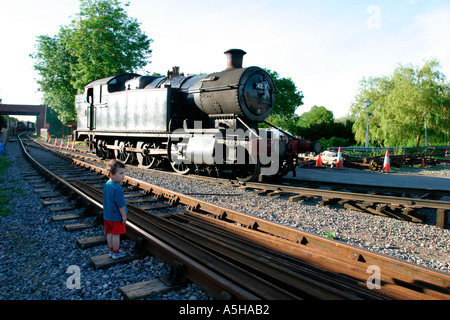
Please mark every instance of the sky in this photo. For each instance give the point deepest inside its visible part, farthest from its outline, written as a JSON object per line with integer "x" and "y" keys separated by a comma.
{"x": 326, "y": 47}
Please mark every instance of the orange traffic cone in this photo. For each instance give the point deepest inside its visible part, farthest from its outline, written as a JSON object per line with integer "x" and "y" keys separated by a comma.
{"x": 387, "y": 162}
{"x": 340, "y": 162}
{"x": 56, "y": 142}
{"x": 319, "y": 162}
{"x": 62, "y": 143}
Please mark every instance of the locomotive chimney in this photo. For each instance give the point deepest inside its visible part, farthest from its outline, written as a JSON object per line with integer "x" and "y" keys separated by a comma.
{"x": 234, "y": 58}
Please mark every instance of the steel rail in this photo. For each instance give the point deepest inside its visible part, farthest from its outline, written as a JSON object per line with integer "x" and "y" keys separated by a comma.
{"x": 369, "y": 188}
{"x": 324, "y": 252}
{"x": 255, "y": 271}
{"x": 54, "y": 177}
{"x": 351, "y": 196}
{"x": 332, "y": 194}
{"x": 206, "y": 278}
{"x": 355, "y": 266}
{"x": 383, "y": 205}
{"x": 400, "y": 279}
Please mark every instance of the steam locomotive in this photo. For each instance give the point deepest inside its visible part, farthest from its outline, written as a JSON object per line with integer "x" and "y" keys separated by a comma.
{"x": 25, "y": 126}
{"x": 207, "y": 123}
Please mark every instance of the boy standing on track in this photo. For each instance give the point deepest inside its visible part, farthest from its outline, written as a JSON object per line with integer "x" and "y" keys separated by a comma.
{"x": 114, "y": 208}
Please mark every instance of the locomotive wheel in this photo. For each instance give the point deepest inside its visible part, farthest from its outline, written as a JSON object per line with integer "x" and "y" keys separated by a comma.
{"x": 177, "y": 163}
{"x": 247, "y": 171}
{"x": 120, "y": 153}
{"x": 373, "y": 166}
{"x": 101, "y": 151}
{"x": 145, "y": 161}
{"x": 181, "y": 168}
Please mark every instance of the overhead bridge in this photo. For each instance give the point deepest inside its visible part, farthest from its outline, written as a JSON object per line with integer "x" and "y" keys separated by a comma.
{"x": 26, "y": 110}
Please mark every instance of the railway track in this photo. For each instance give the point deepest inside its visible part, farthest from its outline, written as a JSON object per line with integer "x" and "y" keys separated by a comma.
{"x": 387, "y": 202}
{"x": 394, "y": 202}
{"x": 235, "y": 255}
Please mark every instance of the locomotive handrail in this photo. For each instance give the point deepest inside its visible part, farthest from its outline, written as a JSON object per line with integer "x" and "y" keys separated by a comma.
{"x": 285, "y": 132}
{"x": 217, "y": 88}
{"x": 249, "y": 129}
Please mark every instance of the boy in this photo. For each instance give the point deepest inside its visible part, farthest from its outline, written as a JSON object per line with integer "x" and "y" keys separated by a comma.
{"x": 114, "y": 208}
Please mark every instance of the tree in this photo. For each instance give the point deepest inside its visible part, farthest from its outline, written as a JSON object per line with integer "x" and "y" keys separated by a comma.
{"x": 319, "y": 124}
{"x": 54, "y": 64}
{"x": 287, "y": 98}
{"x": 101, "y": 41}
{"x": 106, "y": 41}
{"x": 315, "y": 116}
{"x": 398, "y": 103}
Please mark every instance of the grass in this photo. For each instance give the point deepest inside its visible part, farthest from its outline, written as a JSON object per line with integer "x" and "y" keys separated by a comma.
{"x": 4, "y": 164}
{"x": 330, "y": 235}
{"x": 6, "y": 193}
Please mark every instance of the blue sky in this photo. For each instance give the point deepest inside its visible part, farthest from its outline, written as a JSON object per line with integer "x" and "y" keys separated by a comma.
{"x": 325, "y": 46}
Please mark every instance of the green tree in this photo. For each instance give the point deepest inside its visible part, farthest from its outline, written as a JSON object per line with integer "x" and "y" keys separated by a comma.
{"x": 398, "y": 103}
{"x": 287, "y": 98}
{"x": 319, "y": 124}
{"x": 54, "y": 64}
{"x": 101, "y": 41}
{"x": 106, "y": 41}
{"x": 315, "y": 116}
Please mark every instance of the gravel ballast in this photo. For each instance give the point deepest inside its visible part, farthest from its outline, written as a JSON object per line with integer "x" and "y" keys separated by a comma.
{"x": 37, "y": 254}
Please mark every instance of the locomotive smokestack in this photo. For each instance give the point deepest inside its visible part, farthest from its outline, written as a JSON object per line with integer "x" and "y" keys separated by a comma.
{"x": 234, "y": 58}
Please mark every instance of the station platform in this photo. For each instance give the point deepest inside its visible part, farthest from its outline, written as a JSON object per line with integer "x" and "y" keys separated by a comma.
{"x": 355, "y": 176}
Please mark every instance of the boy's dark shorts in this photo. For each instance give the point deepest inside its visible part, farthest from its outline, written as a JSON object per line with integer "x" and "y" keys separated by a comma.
{"x": 114, "y": 227}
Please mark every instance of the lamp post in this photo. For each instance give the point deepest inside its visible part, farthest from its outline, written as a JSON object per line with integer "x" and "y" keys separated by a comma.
{"x": 367, "y": 103}
{"x": 425, "y": 125}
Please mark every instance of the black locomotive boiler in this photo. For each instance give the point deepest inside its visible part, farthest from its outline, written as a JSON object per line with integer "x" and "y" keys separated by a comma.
{"x": 203, "y": 123}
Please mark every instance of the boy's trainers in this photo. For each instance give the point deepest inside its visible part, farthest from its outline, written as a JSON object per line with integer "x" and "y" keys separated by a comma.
{"x": 119, "y": 254}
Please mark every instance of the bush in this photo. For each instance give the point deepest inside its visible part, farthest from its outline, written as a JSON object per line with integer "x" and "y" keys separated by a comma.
{"x": 334, "y": 142}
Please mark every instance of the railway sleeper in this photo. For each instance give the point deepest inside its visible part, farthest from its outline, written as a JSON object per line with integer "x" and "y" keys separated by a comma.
{"x": 105, "y": 261}
{"x": 441, "y": 218}
{"x": 300, "y": 197}
{"x": 146, "y": 289}
{"x": 328, "y": 201}
{"x": 385, "y": 210}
